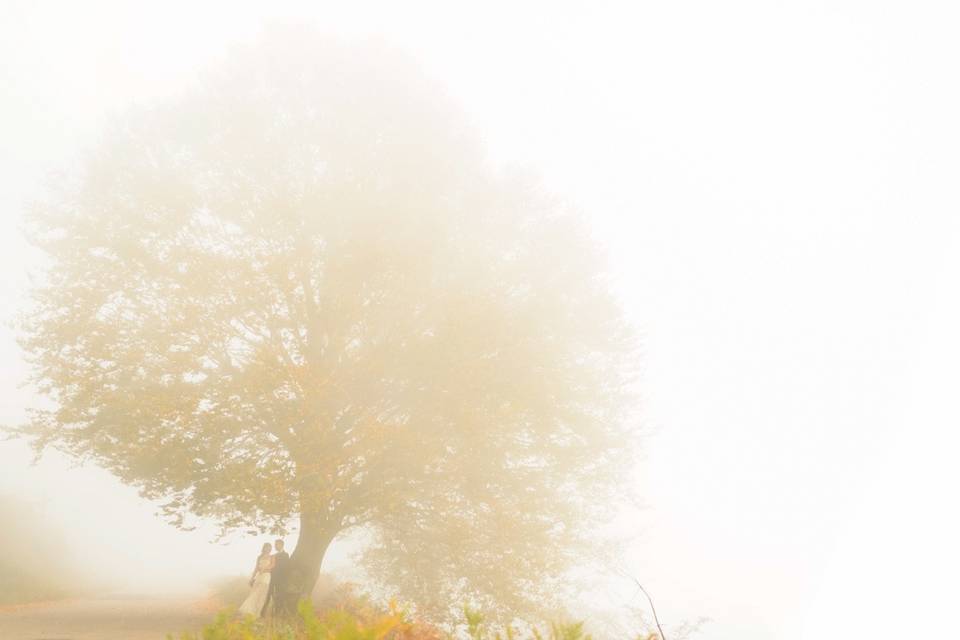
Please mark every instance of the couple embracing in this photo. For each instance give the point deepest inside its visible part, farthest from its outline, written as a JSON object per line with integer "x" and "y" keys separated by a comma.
{"x": 269, "y": 583}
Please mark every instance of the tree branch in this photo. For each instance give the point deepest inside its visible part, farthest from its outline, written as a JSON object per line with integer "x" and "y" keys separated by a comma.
{"x": 652, "y": 608}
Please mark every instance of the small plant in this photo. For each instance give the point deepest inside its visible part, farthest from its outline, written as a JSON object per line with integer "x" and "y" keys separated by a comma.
{"x": 569, "y": 631}
{"x": 474, "y": 620}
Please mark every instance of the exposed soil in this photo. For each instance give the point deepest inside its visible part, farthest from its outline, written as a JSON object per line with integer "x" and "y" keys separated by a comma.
{"x": 114, "y": 618}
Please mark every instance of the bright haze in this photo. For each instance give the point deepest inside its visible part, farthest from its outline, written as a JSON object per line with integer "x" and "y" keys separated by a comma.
{"x": 773, "y": 185}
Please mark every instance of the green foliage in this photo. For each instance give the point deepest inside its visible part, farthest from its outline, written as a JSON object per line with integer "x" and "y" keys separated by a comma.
{"x": 341, "y": 624}
{"x": 474, "y": 620}
{"x": 334, "y": 624}
{"x": 568, "y": 631}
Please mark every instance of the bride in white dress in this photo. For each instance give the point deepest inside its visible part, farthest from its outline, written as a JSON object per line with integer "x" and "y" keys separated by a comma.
{"x": 259, "y": 584}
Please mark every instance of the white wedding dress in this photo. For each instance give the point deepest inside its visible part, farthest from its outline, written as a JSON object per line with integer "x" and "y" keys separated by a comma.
{"x": 261, "y": 588}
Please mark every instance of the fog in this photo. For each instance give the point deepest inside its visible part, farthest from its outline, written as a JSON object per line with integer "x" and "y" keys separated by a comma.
{"x": 772, "y": 186}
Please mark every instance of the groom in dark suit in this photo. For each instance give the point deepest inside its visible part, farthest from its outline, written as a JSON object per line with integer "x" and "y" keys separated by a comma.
{"x": 278, "y": 581}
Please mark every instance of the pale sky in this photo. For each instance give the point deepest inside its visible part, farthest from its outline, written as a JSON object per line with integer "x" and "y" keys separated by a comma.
{"x": 775, "y": 183}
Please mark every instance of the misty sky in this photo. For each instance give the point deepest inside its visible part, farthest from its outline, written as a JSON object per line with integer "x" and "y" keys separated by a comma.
{"x": 775, "y": 184}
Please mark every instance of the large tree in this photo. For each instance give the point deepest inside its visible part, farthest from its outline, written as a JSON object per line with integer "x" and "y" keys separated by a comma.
{"x": 298, "y": 295}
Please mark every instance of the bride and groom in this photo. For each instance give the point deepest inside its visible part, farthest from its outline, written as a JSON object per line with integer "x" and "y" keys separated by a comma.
{"x": 269, "y": 583}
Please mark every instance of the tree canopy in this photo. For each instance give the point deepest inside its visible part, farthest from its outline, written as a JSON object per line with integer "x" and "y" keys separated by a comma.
{"x": 298, "y": 295}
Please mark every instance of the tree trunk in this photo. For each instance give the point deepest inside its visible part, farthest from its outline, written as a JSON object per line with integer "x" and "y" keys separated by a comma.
{"x": 316, "y": 534}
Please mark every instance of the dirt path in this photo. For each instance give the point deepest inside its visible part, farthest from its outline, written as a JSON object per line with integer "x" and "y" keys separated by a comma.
{"x": 127, "y": 618}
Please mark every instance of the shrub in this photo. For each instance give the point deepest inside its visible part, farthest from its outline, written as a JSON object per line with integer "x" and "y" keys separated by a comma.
{"x": 362, "y": 622}
{"x": 334, "y": 624}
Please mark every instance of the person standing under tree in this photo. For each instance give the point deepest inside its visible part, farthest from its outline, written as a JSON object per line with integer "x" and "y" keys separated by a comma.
{"x": 261, "y": 584}
{"x": 278, "y": 582}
